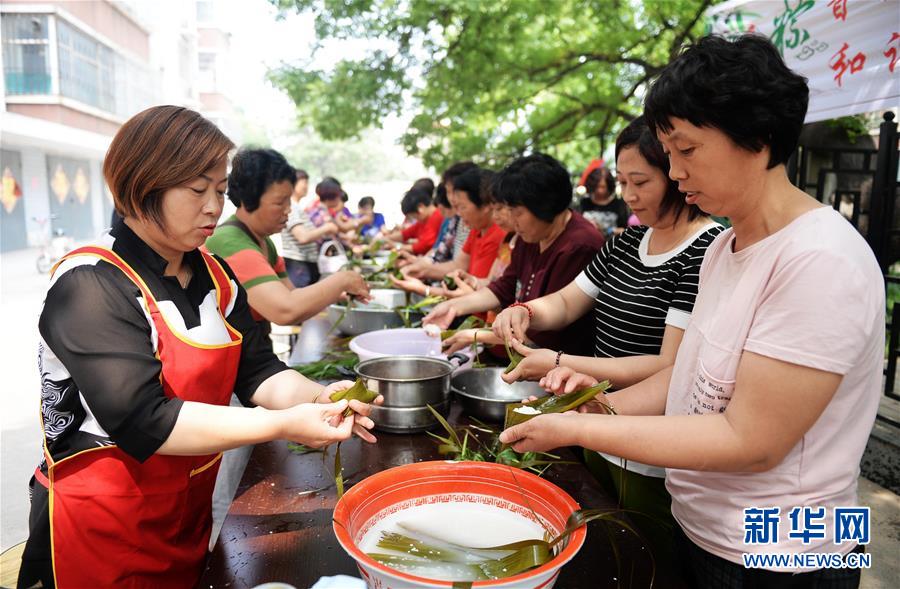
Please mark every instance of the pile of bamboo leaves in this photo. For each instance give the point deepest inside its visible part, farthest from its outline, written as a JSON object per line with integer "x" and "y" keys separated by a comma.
{"x": 329, "y": 367}
{"x": 480, "y": 443}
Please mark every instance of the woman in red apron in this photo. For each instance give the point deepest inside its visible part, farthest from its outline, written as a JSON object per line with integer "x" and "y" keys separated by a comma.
{"x": 143, "y": 340}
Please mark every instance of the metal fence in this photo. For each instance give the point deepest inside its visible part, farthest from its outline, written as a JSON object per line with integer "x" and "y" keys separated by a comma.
{"x": 862, "y": 184}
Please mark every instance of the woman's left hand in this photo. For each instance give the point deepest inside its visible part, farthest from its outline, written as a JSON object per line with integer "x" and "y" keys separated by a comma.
{"x": 465, "y": 283}
{"x": 361, "y": 421}
{"x": 564, "y": 380}
{"x": 459, "y": 340}
{"x": 535, "y": 364}
{"x": 542, "y": 433}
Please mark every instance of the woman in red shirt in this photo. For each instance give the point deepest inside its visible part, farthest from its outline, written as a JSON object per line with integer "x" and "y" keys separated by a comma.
{"x": 472, "y": 203}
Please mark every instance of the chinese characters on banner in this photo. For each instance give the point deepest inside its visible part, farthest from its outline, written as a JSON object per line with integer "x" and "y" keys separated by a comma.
{"x": 848, "y": 49}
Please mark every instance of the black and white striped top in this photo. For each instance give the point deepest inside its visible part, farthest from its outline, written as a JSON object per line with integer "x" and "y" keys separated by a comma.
{"x": 638, "y": 294}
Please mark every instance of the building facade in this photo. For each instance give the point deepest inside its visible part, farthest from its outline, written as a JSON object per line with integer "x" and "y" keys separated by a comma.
{"x": 73, "y": 72}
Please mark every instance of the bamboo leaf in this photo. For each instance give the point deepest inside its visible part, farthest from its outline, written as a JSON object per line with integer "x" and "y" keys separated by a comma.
{"x": 552, "y": 404}
{"x": 452, "y": 432}
{"x": 358, "y": 392}
{"x": 338, "y": 472}
{"x": 514, "y": 358}
{"x": 296, "y": 448}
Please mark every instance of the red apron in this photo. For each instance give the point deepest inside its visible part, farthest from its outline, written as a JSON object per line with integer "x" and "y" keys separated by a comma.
{"x": 116, "y": 522}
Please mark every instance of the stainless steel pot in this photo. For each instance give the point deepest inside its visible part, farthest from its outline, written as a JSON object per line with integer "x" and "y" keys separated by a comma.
{"x": 484, "y": 395}
{"x": 407, "y": 420}
{"x": 409, "y": 381}
{"x": 377, "y": 314}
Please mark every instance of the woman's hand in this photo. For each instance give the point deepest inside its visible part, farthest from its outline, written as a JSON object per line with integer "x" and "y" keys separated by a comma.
{"x": 562, "y": 380}
{"x": 316, "y": 424}
{"x": 459, "y": 340}
{"x": 417, "y": 267}
{"x": 465, "y": 282}
{"x": 442, "y": 315}
{"x": 534, "y": 365}
{"x": 543, "y": 433}
{"x": 354, "y": 284}
{"x": 405, "y": 258}
{"x": 465, "y": 337}
{"x": 511, "y": 323}
{"x": 361, "y": 421}
{"x": 408, "y": 284}
{"x": 328, "y": 229}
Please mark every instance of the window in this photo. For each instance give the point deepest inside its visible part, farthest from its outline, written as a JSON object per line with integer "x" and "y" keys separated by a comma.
{"x": 207, "y": 66}
{"x": 26, "y": 54}
{"x": 86, "y": 68}
{"x": 206, "y": 12}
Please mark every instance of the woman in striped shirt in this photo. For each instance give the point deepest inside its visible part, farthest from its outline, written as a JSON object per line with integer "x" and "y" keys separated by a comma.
{"x": 640, "y": 288}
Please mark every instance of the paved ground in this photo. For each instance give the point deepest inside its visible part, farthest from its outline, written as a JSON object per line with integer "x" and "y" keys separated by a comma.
{"x": 21, "y": 292}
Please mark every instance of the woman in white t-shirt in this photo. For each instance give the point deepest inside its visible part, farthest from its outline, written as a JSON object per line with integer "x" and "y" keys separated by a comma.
{"x": 776, "y": 383}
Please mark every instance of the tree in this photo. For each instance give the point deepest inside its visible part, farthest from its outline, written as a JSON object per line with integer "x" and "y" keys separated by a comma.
{"x": 489, "y": 80}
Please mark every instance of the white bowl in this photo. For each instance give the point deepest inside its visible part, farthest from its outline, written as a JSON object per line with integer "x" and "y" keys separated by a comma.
{"x": 401, "y": 342}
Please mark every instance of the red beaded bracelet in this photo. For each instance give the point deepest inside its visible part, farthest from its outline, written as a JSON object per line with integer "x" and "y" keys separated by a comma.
{"x": 527, "y": 308}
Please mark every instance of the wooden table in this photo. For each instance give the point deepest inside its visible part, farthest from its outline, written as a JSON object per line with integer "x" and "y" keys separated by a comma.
{"x": 279, "y": 526}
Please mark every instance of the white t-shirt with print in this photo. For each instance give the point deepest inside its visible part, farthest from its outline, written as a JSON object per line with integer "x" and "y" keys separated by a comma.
{"x": 811, "y": 294}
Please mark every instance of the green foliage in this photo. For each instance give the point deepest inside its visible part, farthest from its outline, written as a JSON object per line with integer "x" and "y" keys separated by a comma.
{"x": 489, "y": 80}
{"x": 854, "y": 126}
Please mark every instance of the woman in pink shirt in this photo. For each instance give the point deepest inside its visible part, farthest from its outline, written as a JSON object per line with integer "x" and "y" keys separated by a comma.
{"x": 762, "y": 420}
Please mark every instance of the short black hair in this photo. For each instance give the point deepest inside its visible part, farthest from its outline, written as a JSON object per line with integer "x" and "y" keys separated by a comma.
{"x": 253, "y": 171}
{"x": 594, "y": 178}
{"x": 537, "y": 182}
{"x": 440, "y": 196}
{"x": 329, "y": 188}
{"x": 426, "y": 183}
{"x": 638, "y": 134}
{"x": 741, "y": 87}
{"x": 301, "y": 174}
{"x": 414, "y": 198}
{"x": 366, "y": 201}
{"x": 474, "y": 183}
{"x": 451, "y": 173}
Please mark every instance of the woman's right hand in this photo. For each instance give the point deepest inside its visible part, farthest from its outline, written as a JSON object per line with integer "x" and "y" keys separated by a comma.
{"x": 405, "y": 258}
{"x": 354, "y": 284}
{"x": 442, "y": 315}
{"x": 511, "y": 323}
{"x": 317, "y": 424}
{"x": 329, "y": 229}
{"x": 415, "y": 269}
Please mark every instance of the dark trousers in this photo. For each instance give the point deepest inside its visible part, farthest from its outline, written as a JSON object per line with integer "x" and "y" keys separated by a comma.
{"x": 646, "y": 500}
{"x": 301, "y": 273}
{"x": 702, "y": 570}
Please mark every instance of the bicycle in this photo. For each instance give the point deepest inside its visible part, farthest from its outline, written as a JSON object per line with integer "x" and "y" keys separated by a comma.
{"x": 53, "y": 247}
